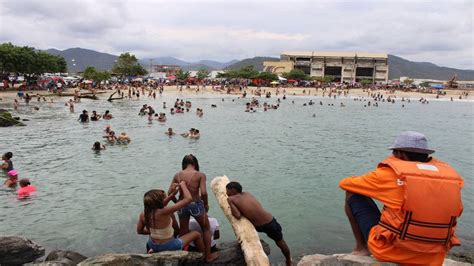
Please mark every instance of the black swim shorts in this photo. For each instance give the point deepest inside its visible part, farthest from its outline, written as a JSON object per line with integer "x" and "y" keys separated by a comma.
{"x": 272, "y": 229}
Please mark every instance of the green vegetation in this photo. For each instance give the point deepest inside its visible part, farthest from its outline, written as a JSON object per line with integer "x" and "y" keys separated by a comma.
{"x": 28, "y": 62}
{"x": 182, "y": 75}
{"x": 247, "y": 72}
{"x": 296, "y": 74}
{"x": 425, "y": 84}
{"x": 202, "y": 73}
{"x": 127, "y": 65}
{"x": 94, "y": 74}
{"x": 408, "y": 81}
{"x": 366, "y": 82}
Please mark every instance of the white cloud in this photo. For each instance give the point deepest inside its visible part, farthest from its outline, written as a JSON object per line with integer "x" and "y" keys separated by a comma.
{"x": 436, "y": 31}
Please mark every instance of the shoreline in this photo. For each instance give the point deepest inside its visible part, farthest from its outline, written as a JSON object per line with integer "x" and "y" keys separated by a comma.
{"x": 290, "y": 92}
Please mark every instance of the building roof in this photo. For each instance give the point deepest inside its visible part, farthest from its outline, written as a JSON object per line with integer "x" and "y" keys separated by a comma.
{"x": 334, "y": 54}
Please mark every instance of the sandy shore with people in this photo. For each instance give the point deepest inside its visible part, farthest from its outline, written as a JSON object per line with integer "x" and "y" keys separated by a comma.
{"x": 288, "y": 91}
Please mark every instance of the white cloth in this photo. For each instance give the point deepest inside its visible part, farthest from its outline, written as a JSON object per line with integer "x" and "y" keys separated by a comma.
{"x": 213, "y": 223}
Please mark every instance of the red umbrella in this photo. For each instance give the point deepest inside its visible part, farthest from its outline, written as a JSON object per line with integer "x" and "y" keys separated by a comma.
{"x": 292, "y": 80}
{"x": 171, "y": 77}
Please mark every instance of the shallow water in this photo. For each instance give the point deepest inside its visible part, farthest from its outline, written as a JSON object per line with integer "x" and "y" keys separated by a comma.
{"x": 291, "y": 161}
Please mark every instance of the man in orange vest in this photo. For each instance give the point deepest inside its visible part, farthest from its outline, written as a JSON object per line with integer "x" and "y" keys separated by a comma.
{"x": 422, "y": 201}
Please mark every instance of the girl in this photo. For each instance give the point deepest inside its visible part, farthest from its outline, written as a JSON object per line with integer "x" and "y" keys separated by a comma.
{"x": 159, "y": 222}
{"x": 7, "y": 162}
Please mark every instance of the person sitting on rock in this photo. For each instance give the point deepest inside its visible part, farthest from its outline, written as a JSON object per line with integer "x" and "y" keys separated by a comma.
{"x": 158, "y": 221}
{"x": 244, "y": 204}
{"x": 215, "y": 233}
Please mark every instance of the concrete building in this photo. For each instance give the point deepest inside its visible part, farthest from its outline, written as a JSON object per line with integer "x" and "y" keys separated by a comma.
{"x": 342, "y": 66}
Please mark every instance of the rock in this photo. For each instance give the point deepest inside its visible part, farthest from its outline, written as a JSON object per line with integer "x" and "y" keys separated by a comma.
{"x": 463, "y": 256}
{"x": 6, "y": 120}
{"x": 18, "y": 250}
{"x": 64, "y": 257}
{"x": 353, "y": 260}
{"x": 169, "y": 258}
{"x": 231, "y": 254}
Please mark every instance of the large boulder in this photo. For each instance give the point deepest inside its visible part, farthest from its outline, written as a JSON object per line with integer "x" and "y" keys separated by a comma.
{"x": 353, "y": 260}
{"x": 231, "y": 254}
{"x": 63, "y": 258}
{"x": 16, "y": 250}
{"x": 169, "y": 258}
{"x": 6, "y": 119}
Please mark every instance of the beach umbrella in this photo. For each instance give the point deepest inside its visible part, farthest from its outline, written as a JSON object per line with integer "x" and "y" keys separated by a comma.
{"x": 281, "y": 78}
{"x": 274, "y": 82}
{"x": 171, "y": 77}
{"x": 292, "y": 80}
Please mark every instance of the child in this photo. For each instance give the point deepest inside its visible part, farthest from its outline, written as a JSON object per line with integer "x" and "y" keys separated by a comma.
{"x": 26, "y": 189}
{"x": 158, "y": 221}
{"x": 246, "y": 205}
{"x": 12, "y": 179}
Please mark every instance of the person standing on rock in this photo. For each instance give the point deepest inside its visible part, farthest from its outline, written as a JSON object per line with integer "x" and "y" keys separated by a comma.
{"x": 246, "y": 205}
{"x": 198, "y": 207}
{"x": 422, "y": 201}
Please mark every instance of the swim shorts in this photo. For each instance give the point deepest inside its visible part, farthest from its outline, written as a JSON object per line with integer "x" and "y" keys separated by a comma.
{"x": 272, "y": 229}
{"x": 365, "y": 212}
{"x": 174, "y": 244}
{"x": 194, "y": 209}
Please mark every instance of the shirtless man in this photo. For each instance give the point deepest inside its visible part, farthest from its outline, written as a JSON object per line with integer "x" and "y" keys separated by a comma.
{"x": 196, "y": 183}
{"x": 246, "y": 205}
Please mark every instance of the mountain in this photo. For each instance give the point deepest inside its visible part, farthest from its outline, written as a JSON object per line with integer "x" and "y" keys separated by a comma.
{"x": 256, "y": 62}
{"x": 84, "y": 58}
{"x": 399, "y": 67}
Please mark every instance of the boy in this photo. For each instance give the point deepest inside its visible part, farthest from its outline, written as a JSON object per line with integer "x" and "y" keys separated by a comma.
{"x": 246, "y": 205}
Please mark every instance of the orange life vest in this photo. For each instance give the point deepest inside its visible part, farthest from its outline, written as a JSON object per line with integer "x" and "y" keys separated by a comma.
{"x": 432, "y": 203}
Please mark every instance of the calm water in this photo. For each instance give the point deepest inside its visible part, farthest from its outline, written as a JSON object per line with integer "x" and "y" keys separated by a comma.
{"x": 292, "y": 162}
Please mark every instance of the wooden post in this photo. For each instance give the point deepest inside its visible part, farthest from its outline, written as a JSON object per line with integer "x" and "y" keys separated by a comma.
{"x": 243, "y": 228}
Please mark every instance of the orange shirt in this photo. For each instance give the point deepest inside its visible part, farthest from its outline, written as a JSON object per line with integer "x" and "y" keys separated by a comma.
{"x": 381, "y": 184}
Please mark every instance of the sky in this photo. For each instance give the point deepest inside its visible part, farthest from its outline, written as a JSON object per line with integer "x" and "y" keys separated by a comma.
{"x": 440, "y": 32}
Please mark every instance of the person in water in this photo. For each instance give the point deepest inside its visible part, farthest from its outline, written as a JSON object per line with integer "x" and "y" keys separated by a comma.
{"x": 124, "y": 138}
{"x": 26, "y": 189}
{"x": 98, "y": 147}
{"x": 12, "y": 179}
{"x": 111, "y": 136}
{"x": 198, "y": 207}
{"x": 107, "y": 115}
{"x": 158, "y": 220}
{"x": 244, "y": 204}
{"x": 84, "y": 117}
{"x": 170, "y": 132}
{"x": 7, "y": 164}
{"x": 95, "y": 116}
{"x": 417, "y": 225}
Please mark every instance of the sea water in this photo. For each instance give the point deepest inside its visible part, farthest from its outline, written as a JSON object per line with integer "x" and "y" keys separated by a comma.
{"x": 291, "y": 159}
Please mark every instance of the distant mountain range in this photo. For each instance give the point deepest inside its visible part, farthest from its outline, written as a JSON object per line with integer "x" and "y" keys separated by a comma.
{"x": 398, "y": 66}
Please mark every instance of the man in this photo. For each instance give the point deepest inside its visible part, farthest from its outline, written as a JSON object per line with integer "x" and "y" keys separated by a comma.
{"x": 421, "y": 197}
{"x": 215, "y": 234}
{"x": 84, "y": 117}
{"x": 246, "y": 205}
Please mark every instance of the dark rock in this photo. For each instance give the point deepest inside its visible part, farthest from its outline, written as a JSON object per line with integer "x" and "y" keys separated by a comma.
{"x": 18, "y": 250}
{"x": 6, "y": 120}
{"x": 24, "y": 119}
{"x": 65, "y": 256}
{"x": 169, "y": 258}
{"x": 231, "y": 254}
{"x": 17, "y": 118}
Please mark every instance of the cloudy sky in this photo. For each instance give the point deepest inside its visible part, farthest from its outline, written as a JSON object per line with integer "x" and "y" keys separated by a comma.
{"x": 434, "y": 31}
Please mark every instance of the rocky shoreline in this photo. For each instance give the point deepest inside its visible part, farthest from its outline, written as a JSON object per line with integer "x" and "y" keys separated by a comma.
{"x": 16, "y": 250}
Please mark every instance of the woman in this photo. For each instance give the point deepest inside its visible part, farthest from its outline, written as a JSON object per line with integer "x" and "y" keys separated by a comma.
{"x": 7, "y": 162}
{"x": 159, "y": 222}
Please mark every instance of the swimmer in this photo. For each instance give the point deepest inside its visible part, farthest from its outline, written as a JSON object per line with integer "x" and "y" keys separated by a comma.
{"x": 95, "y": 116}
{"x": 150, "y": 118}
{"x": 7, "y": 164}
{"x": 124, "y": 138}
{"x": 98, "y": 147}
{"x": 107, "y": 115}
{"x": 111, "y": 136}
{"x": 12, "y": 179}
{"x": 162, "y": 117}
{"x": 170, "y": 132}
{"x": 84, "y": 117}
{"x": 196, "y": 134}
{"x": 172, "y": 111}
{"x": 26, "y": 189}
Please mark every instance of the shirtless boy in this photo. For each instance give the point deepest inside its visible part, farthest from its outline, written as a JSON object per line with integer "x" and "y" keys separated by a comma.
{"x": 196, "y": 183}
{"x": 246, "y": 205}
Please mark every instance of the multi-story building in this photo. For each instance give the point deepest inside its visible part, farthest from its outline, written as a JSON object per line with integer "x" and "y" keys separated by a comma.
{"x": 341, "y": 66}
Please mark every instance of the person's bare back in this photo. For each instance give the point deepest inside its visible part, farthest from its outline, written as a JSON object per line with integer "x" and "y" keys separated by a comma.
{"x": 251, "y": 209}
{"x": 193, "y": 180}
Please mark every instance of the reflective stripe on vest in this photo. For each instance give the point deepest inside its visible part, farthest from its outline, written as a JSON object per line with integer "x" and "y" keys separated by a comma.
{"x": 431, "y": 204}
